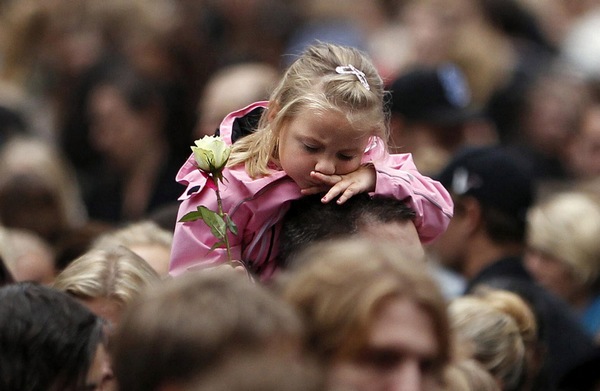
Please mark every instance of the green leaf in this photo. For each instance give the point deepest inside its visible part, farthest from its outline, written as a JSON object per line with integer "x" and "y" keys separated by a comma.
{"x": 231, "y": 225}
{"x": 191, "y": 216}
{"x": 214, "y": 221}
{"x": 218, "y": 244}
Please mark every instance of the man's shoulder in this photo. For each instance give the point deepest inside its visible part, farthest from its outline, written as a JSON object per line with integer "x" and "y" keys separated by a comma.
{"x": 507, "y": 268}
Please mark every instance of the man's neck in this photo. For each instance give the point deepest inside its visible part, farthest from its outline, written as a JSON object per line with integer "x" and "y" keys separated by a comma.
{"x": 482, "y": 253}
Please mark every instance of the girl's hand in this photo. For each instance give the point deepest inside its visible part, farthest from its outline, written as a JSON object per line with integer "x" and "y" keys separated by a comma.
{"x": 345, "y": 186}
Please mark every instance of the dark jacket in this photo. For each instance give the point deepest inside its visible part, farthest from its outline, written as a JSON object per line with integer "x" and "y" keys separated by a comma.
{"x": 566, "y": 341}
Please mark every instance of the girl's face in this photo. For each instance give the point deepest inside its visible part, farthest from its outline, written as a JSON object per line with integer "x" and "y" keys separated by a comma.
{"x": 320, "y": 141}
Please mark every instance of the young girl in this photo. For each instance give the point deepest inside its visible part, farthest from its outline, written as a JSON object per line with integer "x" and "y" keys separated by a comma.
{"x": 323, "y": 130}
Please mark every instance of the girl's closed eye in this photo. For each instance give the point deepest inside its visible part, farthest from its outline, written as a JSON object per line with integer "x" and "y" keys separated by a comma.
{"x": 311, "y": 148}
{"x": 345, "y": 157}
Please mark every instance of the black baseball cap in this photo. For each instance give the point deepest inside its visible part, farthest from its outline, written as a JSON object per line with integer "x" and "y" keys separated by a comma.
{"x": 494, "y": 176}
{"x": 436, "y": 95}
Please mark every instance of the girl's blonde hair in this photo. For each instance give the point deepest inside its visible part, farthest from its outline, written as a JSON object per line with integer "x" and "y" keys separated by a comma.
{"x": 312, "y": 82}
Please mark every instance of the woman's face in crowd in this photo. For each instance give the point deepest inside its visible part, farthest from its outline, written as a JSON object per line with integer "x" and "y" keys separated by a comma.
{"x": 552, "y": 273}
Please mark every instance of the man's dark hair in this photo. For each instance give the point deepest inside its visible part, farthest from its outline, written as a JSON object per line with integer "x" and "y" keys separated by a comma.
{"x": 309, "y": 220}
{"x": 47, "y": 339}
{"x": 500, "y": 226}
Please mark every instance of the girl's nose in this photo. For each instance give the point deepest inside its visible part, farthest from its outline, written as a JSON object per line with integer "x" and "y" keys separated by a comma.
{"x": 325, "y": 166}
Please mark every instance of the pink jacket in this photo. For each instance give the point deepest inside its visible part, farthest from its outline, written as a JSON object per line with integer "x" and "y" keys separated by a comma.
{"x": 257, "y": 205}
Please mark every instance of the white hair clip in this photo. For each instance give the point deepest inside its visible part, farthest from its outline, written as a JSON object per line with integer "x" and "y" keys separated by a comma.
{"x": 349, "y": 69}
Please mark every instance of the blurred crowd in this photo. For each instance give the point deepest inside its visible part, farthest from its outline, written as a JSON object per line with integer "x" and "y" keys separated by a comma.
{"x": 100, "y": 101}
{"x": 113, "y": 93}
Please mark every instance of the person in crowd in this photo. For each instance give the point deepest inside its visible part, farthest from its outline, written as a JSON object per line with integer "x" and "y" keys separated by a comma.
{"x": 493, "y": 338}
{"x": 515, "y": 306}
{"x": 485, "y": 241}
{"x": 189, "y": 329}
{"x": 324, "y": 130}
{"x": 583, "y": 159}
{"x": 563, "y": 252}
{"x": 309, "y": 221}
{"x": 432, "y": 115}
{"x": 375, "y": 318}
{"x": 27, "y": 256}
{"x": 50, "y": 342}
{"x": 38, "y": 189}
{"x": 469, "y": 375}
{"x": 547, "y": 121}
{"x": 128, "y": 180}
{"x": 145, "y": 238}
{"x": 231, "y": 88}
{"x": 499, "y": 47}
{"x": 107, "y": 280}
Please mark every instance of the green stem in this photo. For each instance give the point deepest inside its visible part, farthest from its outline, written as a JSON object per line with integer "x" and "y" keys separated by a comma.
{"x": 222, "y": 214}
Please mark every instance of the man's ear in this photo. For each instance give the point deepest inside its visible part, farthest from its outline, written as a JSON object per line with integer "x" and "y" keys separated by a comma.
{"x": 472, "y": 213}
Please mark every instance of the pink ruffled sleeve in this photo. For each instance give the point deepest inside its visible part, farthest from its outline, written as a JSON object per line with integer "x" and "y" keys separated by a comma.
{"x": 398, "y": 177}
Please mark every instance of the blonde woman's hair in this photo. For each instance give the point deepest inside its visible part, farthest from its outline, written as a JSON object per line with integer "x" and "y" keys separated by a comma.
{"x": 341, "y": 284}
{"x": 493, "y": 337}
{"x": 115, "y": 272}
{"x": 312, "y": 82}
{"x": 567, "y": 226}
{"x": 512, "y": 304}
{"x": 145, "y": 238}
{"x": 469, "y": 375}
{"x": 138, "y": 233}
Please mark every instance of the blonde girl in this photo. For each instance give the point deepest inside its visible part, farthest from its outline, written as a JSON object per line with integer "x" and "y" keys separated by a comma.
{"x": 323, "y": 130}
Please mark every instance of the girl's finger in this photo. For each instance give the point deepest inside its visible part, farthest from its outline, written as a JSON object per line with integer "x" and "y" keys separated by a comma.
{"x": 332, "y": 193}
{"x": 326, "y": 179}
{"x": 313, "y": 190}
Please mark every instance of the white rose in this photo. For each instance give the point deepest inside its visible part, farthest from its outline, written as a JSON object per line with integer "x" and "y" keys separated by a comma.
{"x": 211, "y": 154}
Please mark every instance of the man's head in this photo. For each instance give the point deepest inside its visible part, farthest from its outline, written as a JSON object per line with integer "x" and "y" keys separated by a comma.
{"x": 430, "y": 109}
{"x": 49, "y": 341}
{"x": 186, "y": 327}
{"x": 492, "y": 190}
{"x": 309, "y": 220}
{"x": 436, "y": 96}
{"x": 374, "y": 317}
